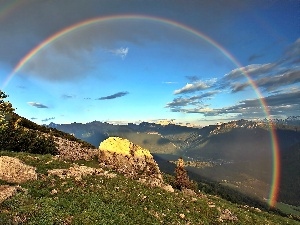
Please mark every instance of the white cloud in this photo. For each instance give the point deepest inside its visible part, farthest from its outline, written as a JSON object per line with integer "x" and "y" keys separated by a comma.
{"x": 37, "y": 105}
{"x": 122, "y": 52}
{"x": 196, "y": 86}
{"x": 170, "y": 82}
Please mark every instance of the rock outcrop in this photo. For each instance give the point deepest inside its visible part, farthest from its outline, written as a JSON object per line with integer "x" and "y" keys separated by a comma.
{"x": 12, "y": 170}
{"x": 71, "y": 150}
{"x": 6, "y": 192}
{"x": 130, "y": 159}
{"x": 226, "y": 214}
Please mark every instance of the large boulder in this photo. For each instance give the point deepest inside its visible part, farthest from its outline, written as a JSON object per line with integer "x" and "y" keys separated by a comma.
{"x": 13, "y": 170}
{"x": 130, "y": 159}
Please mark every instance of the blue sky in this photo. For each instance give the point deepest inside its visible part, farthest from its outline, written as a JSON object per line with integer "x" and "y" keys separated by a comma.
{"x": 142, "y": 69}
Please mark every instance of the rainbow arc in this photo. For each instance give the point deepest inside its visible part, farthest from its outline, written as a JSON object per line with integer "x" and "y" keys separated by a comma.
{"x": 274, "y": 142}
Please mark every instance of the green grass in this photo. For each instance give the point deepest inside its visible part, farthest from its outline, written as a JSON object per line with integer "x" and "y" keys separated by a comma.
{"x": 288, "y": 209}
{"x": 100, "y": 200}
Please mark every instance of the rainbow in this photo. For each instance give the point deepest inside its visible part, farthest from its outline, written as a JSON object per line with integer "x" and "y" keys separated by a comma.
{"x": 275, "y": 148}
{"x": 8, "y": 8}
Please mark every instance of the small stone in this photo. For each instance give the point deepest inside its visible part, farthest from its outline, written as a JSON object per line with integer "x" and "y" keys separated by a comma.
{"x": 194, "y": 199}
{"x": 181, "y": 215}
{"x": 168, "y": 188}
{"x": 188, "y": 191}
{"x": 211, "y": 205}
{"x": 257, "y": 210}
{"x": 53, "y": 192}
{"x": 226, "y": 214}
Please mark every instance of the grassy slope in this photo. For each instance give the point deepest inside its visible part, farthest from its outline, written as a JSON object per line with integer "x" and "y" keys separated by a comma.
{"x": 99, "y": 200}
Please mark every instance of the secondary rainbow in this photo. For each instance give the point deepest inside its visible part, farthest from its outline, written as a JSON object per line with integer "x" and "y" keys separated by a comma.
{"x": 8, "y": 8}
{"x": 274, "y": 142}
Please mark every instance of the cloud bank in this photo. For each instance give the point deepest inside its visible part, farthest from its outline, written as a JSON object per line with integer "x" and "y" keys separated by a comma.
{"x": 278, "y": 81}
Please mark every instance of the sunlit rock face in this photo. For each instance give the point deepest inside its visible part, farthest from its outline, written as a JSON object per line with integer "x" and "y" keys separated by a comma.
{"x": 129, "y": 159}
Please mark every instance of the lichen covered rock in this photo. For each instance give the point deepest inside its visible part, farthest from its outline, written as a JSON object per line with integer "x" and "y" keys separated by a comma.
{"x": 130, "y": 159}
{"x": 123, "y": 147}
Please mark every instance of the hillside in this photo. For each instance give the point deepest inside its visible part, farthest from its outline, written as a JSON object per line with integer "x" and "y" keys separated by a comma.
{"x": 63, "y": 180}
{"x": 110, "y": 198}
